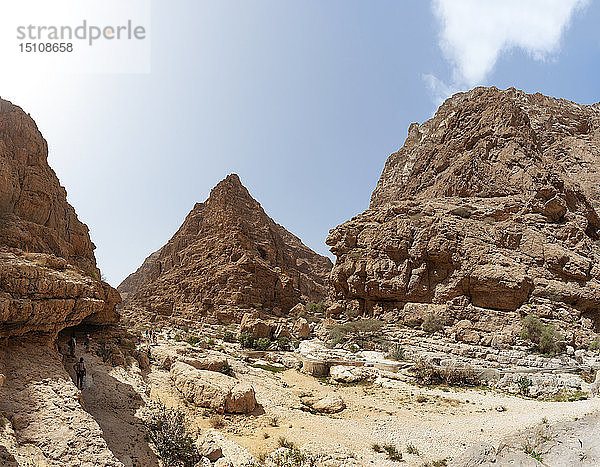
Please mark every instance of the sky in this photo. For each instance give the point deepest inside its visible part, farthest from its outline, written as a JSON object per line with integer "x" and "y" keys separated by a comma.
{"x": 304, "y": 99}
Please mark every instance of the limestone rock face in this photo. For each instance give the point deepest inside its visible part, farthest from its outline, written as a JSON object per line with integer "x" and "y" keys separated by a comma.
{"x": 48, "y": 274}
{"x": 228, "y": 257}
{"x": 487, "y": 213}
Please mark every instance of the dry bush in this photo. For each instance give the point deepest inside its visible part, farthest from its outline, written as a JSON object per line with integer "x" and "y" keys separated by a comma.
{"x": 428, "y": 374}
{"x": 216, "y": 421}
{"x": 432, "y": 322}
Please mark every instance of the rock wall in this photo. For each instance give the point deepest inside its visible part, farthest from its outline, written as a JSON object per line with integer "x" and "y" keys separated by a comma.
{"x": 48, "y": 274}
{"x": 227, "y": 257}
{"x": 487, "y": 212}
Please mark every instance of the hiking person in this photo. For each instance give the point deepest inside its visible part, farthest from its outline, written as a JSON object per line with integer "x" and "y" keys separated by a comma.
{"x": 72, "y": 344}
{"x": 79, "y": 368}
{"x": 87, "y": 341}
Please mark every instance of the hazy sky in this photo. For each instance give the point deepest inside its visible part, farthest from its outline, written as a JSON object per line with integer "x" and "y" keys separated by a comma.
{"x": 303, "y": 99}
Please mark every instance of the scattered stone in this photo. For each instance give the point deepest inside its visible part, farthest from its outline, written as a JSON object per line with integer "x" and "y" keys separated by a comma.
{"x": 301, "y": 329}
{"x": 331, "y": 403}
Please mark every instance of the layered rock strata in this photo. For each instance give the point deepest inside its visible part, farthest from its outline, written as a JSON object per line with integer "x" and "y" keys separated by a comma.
{"x": 48, "y": 274}
{"x": 486, "y": 214}
{"x": 228, "y": 257}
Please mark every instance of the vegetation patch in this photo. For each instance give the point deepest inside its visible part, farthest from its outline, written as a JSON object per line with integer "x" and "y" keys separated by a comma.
{"x": 544, "y": 337}
{"x": 429, "y": 375}
{"x": 165, "y": 428}
{"x": 433, "y": 322}
{"x": 362, "y": 329}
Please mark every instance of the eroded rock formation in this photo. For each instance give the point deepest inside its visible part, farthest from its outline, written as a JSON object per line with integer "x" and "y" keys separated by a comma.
{"x": 486, "y": 214}
{"x": 227, "y": 257}
{"x": 48, "y": 274}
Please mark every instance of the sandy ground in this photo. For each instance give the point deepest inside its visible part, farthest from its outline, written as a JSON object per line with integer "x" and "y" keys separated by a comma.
{"x": 441, "y": 423}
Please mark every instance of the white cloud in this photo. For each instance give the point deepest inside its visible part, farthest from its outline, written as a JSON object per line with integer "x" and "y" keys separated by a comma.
{"x": 475, "y": 32}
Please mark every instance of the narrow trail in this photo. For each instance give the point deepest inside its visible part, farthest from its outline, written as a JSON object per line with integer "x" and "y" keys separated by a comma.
{"x": 112, "y": 397}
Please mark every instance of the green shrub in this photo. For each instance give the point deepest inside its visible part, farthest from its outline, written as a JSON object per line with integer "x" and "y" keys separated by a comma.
{"x": 544, "y": 338}
{"x": 432, "y": 323}
{"x": 412, "y": 449}
{"x": 316, "y": 308}
{"x": 228, "y": 336}
{"x": 283, "y": 343}
{"x": 395, "y": 352}
{"x": 165, "y": 428}
{"x": 247, "y": 340}
{"x": 595, "y": 344}
{"x": 262, "y": 344}
{"x": 361, "y": 329}
{"x": 392, "y": 453}
{"x": 524, "y": 384}
{"x": 193, "y": 340}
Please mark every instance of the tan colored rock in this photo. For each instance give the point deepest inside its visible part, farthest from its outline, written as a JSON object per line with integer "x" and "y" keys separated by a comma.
{"x": 487, "y": 210}
{"x": 252, "y": 324}
{"x": 241, "y": 399}
{"x": 331, "y": 403}
{"x": 228, "y": 256}
{"x": 209, "y": 362}
{"x": 347, "y": 374}
{"x": 282, "y": 331}
{"x": 209, "y": 448}
{"x": 301, "y": 329}
{"x": 212, "y": 390}
{"x": 48, "y": 274}
{"x": 298, "y": 310}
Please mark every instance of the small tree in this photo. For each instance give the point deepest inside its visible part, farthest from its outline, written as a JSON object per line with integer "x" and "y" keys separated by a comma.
{"x": 165, "y": 428}
{"x": 545, "y": 338}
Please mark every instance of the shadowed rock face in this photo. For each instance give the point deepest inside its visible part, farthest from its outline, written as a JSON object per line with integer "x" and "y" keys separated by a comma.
{"x": 487, "y": 210}
{"x": 48, "y": 274}
{"x": 228, "y": 256}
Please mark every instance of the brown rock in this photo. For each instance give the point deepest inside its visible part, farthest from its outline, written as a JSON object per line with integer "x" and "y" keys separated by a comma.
{"x": 488, "y": 206}
{"x": 252, "y": 324}
{"x": 301, "y": 329}
{"x": 212, "y": 390}
{"x": 48, "y": 274}
{"x": 210, "y": 362}
{"x": 228, "y": 255}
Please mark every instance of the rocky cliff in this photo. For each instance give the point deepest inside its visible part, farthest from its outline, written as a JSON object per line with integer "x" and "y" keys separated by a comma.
{"x": 227, "y": 257}
{"x": 48, "y": 274}
{"x": 486, "y": 214}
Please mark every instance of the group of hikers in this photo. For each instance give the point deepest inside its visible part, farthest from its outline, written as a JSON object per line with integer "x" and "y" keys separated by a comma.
{"x": 79, "y": 367}
{"x": 150, "y": 337}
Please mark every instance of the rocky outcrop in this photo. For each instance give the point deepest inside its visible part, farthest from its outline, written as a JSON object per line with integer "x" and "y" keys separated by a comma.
{"x": 228, "y": 257}
{"x": 48, "y": 274}
{"x": 486, "y": 214}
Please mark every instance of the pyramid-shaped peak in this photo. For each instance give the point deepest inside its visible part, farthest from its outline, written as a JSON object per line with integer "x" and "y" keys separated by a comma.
{"x": 228, "y": 188}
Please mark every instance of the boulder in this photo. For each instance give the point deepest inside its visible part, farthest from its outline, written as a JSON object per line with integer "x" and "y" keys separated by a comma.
{"x": 213, "y": 390}
{"x": 253, "y": 325}
{"x": 208, "y": 447}
{"x": 298, "y": 310}
{"x": 331, "y": 403}
{"x": 348, "y": 374}
{"x": 241, "y": 399}
{"x": 301, "y": 329}
{"x": 209, "y": 362}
